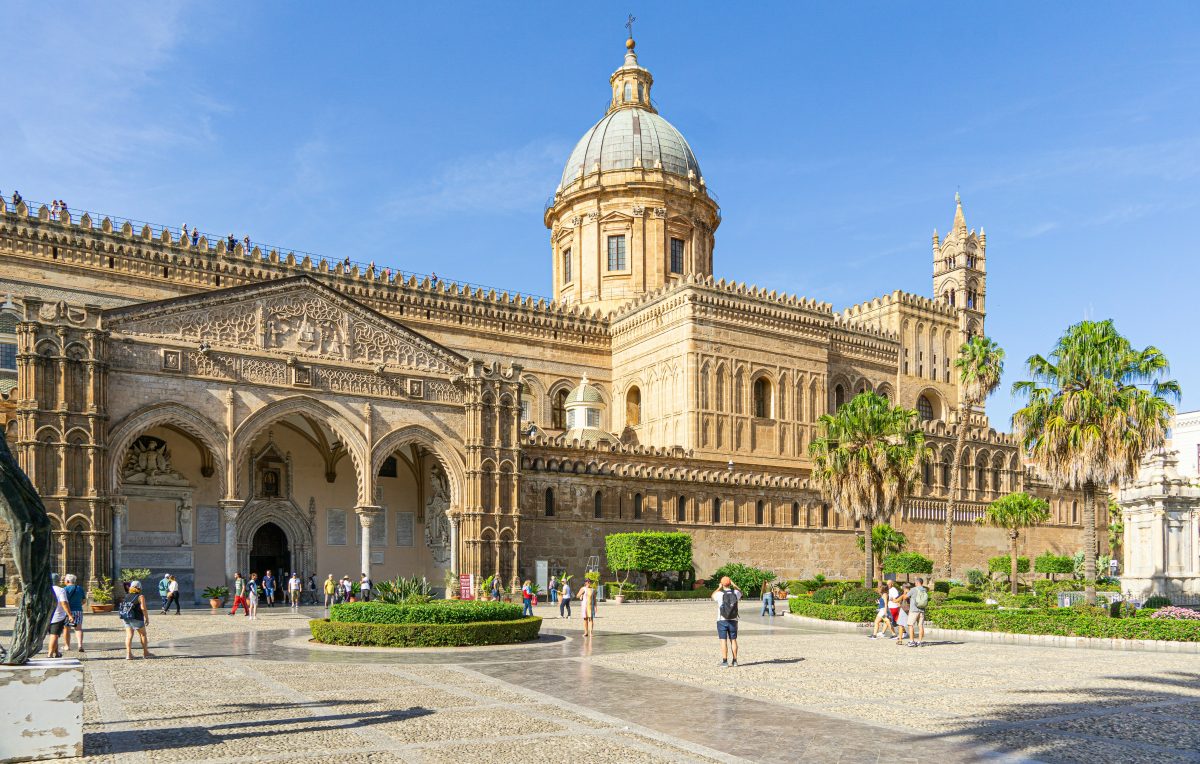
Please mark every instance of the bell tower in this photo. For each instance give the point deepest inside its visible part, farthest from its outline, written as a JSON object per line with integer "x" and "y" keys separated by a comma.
{"x": 960, "y": 271}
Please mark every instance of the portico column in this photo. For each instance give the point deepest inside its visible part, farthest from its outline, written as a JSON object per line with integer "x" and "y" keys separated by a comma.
{"x": 120, "y": 509}
{"x": 366, "y": 518}
{"x": 230, "y": 508}
{"x": 453, "y": 518}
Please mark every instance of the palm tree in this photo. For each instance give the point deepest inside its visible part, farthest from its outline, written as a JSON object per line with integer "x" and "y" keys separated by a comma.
{"x": 980, "y": 364}
{"x": 885, "y": 540}
{"x": 1014, "y": 512}
{"x": 1093, "y": 410}
{"x": 866, "y": 457}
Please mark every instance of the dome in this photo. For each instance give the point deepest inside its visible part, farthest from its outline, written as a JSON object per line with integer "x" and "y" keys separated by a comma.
{"x": 585, "y": 393}
{"x": 631, "y": 137}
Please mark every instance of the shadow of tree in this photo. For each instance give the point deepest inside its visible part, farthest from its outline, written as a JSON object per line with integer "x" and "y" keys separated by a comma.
{"x": 1156, "y": 717}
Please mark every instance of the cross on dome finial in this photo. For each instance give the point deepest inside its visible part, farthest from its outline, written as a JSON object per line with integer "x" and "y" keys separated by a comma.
{"x": 629, "y": 25}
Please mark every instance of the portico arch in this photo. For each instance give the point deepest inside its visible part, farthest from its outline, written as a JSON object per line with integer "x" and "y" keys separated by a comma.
{"x": 296, "y": 525}
{"x": 441, "y": 446}
{"x": 200, "y": 427}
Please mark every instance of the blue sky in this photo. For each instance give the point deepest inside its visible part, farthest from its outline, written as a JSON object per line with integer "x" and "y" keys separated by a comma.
{"x": 427, "y": 137}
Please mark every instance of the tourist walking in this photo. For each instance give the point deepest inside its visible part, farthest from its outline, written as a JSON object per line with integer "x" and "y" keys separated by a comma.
{"x": 75, "y": 597}
{"x": 768, "y": 599}
{"x": 553, "y": 589}
{"x": 294, "y": 591}
{"x": 496, "y": 588}
{"x": 587, "y": 603}
{"x": 918, "y": 600}
{"x": 239, "y": 595}
{"x": 172, "y": 595}
{"x": 902, "y": 617}
{"x": 564, "y": 601}
{"x": 364, "y": 588}
{"x": 136, "y": 617}
{"x": 893, "y": 603}
{"x": 60, "y": 618}
{"x": 882, "y": 617}
{"x": 164, "y": 589}
{"x": 252, "y": 587}
{"x": 330, "y": 590}
{"x": 268, "y": 584}
{"x": 526, "y": 598}
{"x": 727, "y": 596}
{"x": 347, "y": 589}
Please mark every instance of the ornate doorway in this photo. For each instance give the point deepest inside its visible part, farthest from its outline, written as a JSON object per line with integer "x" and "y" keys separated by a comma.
{"x": 270, "y": 550}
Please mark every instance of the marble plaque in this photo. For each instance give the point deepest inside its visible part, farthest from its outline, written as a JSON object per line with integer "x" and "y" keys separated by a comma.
{"x": 208, "y": 525}
{"x": 379, "y": 531}
{"x": 336, "y": 531}
{"x": 405, "y": 528}
{"x": 376, "y": 558}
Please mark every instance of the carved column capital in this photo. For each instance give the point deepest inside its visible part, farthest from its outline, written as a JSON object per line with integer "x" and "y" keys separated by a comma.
{"x": 230, "y": 508}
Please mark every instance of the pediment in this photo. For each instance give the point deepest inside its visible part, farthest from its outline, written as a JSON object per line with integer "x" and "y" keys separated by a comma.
{"x": 297, "y": 316}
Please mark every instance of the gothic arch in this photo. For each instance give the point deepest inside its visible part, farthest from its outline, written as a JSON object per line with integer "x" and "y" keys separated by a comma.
{"x": 350, "y": 434}
{"x": 297, "y": 524}
{"x": 203, "y": 429}
{"x": 442, "y": 446}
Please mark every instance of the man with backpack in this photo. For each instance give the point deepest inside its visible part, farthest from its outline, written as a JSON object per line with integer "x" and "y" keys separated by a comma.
{"x": 726, "y": 596}
{"x": 164, "y": 589}
{"x": 918, "y": 600}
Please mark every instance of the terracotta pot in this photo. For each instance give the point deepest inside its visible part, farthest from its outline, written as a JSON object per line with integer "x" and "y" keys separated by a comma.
{"x": 102, "y": 608}
{"x": 619, "y": 599}
{"x": 353, "y": 598}
{"x": 215, "y": 603}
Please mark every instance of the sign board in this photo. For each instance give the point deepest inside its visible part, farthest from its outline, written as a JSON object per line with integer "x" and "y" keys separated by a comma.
{"x": 466, "y": 586}
{"x": 542, "y": 574}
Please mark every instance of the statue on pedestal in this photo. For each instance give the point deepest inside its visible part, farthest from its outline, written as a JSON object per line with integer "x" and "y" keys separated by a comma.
{"x": 22, "y": 509}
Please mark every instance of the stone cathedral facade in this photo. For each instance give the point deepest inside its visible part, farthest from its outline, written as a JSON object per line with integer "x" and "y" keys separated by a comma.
{"x": 202, "y": 409}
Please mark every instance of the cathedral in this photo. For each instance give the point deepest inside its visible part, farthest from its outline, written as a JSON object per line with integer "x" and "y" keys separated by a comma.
{"x": 204, "y": 407}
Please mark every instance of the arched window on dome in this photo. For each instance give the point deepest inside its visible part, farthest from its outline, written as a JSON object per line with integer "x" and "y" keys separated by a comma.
{"x": 641, "y": 93}
{"x": 633, "y": 407}
{"x": 628, "y": 92}
{"x": 558, "y": 411}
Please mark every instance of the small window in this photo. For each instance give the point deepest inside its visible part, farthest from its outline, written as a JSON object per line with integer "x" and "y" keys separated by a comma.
{"x": 616, "y": 253}
{"x": 680, "y": 509}
{"x": 927, "y": 473}
{"x": 593, "y": 417}
{"x": 641, "y": 93}
{"x": 8, "y": 323}
{"x": 598, "y": 506}
{"x": 637, "y": 506}
{"x": 839, "y": 397}
{"x": 824, "y": 515}
{"x": 795, "y": 513}
{"x": 628, "y": 92}
{"x": 570, "y": 420}
{"x": 633, "y": 407}
{"x": 759, "y": 513}
{"x": 715, "y": 511}
{"x": 8, "y": 357}
{"x": 946, "y": 472}
{"x": 762, "y": 398}
{"x": 676, "y": 255}
{"x": 549, "y": 502}
{"x": 525, "y": 410}
{"x": 925, "y": 409}
{"x": 1074, "y": 512}
{"x": 566, "y": 266}
{"x": 388, "y": 468}
{"x": 558, "y": 410}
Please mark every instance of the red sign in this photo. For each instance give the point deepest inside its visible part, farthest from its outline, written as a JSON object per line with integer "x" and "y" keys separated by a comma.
{"x": 466, "y": 586}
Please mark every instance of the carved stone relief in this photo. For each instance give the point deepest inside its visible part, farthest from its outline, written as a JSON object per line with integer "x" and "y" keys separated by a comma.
{"x": 437, "y": 524}
{"x": 149, "y": 463}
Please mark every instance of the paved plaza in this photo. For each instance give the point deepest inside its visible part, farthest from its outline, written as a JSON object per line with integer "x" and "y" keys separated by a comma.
{"x": 647, "y": 688}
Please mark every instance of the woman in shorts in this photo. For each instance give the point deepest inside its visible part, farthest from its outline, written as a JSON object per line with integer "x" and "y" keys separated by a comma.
{"x": 75, "y": 597}
{"x": 136, "y": 618}
{"x": 902, "y": 618}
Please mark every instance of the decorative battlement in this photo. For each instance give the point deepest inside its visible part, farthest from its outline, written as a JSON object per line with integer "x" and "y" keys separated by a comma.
{"x": 710, "y": 283}
{"x": 942, "y": 429}
{"x": 906, "y": 299}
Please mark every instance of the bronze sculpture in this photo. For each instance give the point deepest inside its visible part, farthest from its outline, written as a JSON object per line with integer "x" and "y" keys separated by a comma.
{"x": 23, "y": 510}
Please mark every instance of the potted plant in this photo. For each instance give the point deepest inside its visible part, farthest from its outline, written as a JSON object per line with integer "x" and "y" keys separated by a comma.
{"x": 133, "y": 574}
{"x": 485, "y": 592}
{"x": 216, "y": 596}
{"x": 355, "y": 589}
{"x": 102, "y": 595}
{"x": 452, "y": 586}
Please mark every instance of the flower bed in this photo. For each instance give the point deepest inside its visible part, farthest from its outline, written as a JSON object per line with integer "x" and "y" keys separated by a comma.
{"x": 1170, "y": 613}
{"x": 806, "y": 607}
{"x": 426, "y": 634}
{"x": 437, "y": 611}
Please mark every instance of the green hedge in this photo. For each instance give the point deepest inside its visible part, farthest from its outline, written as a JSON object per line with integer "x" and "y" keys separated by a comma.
{"x": 685, "y": 594}
{"x": 425, "y": 634}
{"x": 806, "y": 607}
{"x": 1003, "y": 564}
{"x": 648, "y": 551}
{"x": 1052, "y": 564}
{"x": 907, "y": 563}
{"x": 438, "y": 611}
{"x": 1068, "y": 625}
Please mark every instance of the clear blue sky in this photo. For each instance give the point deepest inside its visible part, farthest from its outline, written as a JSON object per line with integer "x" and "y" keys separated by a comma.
{"x": 427, "y": 137}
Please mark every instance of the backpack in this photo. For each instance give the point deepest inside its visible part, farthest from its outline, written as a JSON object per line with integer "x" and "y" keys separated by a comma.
{"x": 919, "y": 598}
{"x": 729, "y": 604}
{"x": 127, "y": 606}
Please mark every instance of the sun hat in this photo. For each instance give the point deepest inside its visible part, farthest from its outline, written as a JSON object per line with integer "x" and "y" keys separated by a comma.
{"x": 135, "y": 585}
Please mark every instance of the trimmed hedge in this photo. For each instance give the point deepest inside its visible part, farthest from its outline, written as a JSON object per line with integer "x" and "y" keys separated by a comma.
{"x": 438, "y": 611}
{"x": 859, "y": 598}
{"x": 806, "y": 607}
{"x": 1003, "y": 564}
{"x": 683, "y": 594}
{"x": 907, "y": 563}
{"x": 1072, "y": 625}
{"x": 425, "y": 634}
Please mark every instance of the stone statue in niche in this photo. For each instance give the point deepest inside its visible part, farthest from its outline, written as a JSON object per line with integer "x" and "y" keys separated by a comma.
{"x": 149, "y": 463}
{"x": 437, "y": 524}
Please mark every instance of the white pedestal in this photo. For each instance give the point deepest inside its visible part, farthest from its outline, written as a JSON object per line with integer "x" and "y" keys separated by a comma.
{"x": 41, "y": 710}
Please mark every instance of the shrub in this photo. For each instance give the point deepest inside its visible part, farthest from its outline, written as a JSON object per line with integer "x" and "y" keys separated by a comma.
{"x": 826, "y": 595}
{"x": 968, "y": 597}
{"x": 438, "y": 611}
{"x": 135, "y": 574}
{"x": 1002, "y": 564}
{"x": 1176, "y": 613}
{"x": 1156, "y": 601}
{"x": 976, "y": 577}
{"x": 967, "y": 605}
{"x": 749, "y": 580}
{"x": 216, "y": 593}
{"x": 907, "y": 563}
{"x": 961, "y": 591}
{"x": 1051, "y": 564}
{"x": 806, "y": 607}
{"x": 1070, "y": 624}
{"x": 101, "y": 592}
{"x": 941, "y": 586}
{"x": 859, "y": 598}
{"x": 425, "y": 634}
{"x": 1017, "y": 600}
{"x": 674, "y": 594}
{"x": 648, "y": 551}
{"x": 937, "y": 598}
{"x": 401, "y": 590}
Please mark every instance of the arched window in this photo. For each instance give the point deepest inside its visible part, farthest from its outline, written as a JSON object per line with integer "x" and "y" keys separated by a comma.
{"x": 795, "y": 513}
{"x": 637, "y": 506}
{"x": 759, "y": 513}
{"x": 1074, "y": 512}
{"x": 719, "y": 397}
{"x": 628, "y": 92}
{"x": 925, "y": 408}
{"x": 926, "y": 473}
{"x": 839, "y": 397}
{"x": 762, "y": 398}
{"x": 981, "y": 473}
{"x": 824, "y": 515}
{"x": 77, "y": 552}
{"x": 641, "y": 93}
{"x": 680, "y": 509}
{"x": 633, "y": 407}
{"x": 598, "y": 506}
{"x": 558, "y": 411}
{"x": 715, "y": 511}
{"x": 704, "y": 387}
{"x": 549, "y": 502}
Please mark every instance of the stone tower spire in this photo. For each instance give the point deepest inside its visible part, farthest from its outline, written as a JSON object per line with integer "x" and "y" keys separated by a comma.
{"x": 960, "y": 270}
